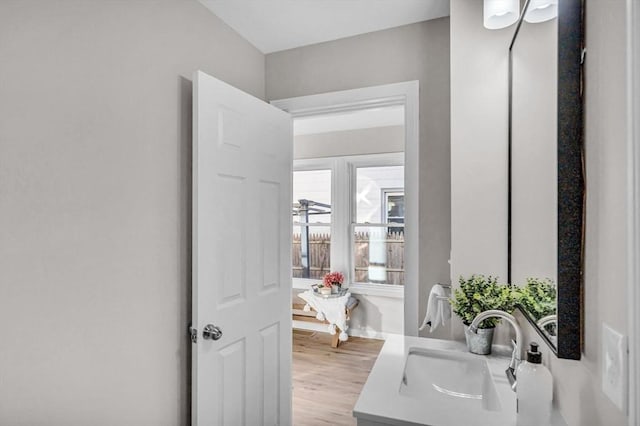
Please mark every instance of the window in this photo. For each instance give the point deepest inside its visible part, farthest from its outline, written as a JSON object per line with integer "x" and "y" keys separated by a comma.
{"x": 393, "y": 208}
{"x": 311, "y": 223}
{"x": 358, "y": 228}
{"x": 378, "y": 256}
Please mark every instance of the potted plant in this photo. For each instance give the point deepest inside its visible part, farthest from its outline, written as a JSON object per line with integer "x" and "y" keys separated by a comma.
{"x": 538, "y": 298}
{"x": 331, "y": 283}
{"x": 334, "y": 281}
{"x": 475, "y": 295}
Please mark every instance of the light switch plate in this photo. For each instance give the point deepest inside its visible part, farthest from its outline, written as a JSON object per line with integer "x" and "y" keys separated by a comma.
{"x": 614, "y": 366}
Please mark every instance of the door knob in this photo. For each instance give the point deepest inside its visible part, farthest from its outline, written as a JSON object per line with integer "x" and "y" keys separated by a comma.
{"x": 212, "y": 332}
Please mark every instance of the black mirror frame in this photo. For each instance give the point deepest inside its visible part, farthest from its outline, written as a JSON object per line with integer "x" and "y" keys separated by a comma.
{"x": 571, "y": 179}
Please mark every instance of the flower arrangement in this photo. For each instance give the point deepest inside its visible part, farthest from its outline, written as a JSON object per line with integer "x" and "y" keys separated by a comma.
{"x": 333, "y": 279}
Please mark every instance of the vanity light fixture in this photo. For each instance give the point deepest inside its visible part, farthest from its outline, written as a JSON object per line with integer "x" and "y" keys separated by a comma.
{"x": 500, "y": 14}
{"x": 541, "y": 11}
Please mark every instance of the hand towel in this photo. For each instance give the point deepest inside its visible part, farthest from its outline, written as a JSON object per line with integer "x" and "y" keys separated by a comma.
{"x": 445, "y": 307}
{"x": 438, "y": 309}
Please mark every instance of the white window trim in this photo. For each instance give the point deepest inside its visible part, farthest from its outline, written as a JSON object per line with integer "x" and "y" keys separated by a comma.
{"x": 407, "y": 94}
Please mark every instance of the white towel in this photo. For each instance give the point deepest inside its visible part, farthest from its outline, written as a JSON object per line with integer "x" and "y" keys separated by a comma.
{"x": 445, "y": 310}
{"x": 332, "y": 309}
{"x": 438, "y": 309}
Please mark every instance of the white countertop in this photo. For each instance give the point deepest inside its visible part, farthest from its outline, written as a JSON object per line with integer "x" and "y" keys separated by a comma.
{"x": 380, "y": 400}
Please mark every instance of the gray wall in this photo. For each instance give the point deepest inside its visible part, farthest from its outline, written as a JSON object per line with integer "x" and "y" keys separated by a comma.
{"x": 413, "y": 52}
{"x": 479, "y": 71}
{"x": 95, "y": 170}
{"x": 478, "y": 163}
{"x": 534, "y": 184}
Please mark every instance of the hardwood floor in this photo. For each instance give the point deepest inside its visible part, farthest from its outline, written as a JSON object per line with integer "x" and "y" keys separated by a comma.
{"x": 327, "y": 381}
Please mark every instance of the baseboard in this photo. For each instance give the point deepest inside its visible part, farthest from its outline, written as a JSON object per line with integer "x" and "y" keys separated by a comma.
{"x": 355, "y": 332}
{"x": 369, "y": 334}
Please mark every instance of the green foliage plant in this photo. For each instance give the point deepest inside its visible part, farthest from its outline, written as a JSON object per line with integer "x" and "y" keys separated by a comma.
{"x": 537, "y": 297}
{"x": 478, "y": 294}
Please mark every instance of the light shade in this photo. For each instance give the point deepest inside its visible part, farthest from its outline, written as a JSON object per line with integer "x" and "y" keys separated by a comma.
{"x": 541, "y": 10}
{"x": 500, "y": 13}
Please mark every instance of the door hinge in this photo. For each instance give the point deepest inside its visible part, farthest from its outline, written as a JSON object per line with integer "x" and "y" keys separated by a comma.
{"x": 193, "y": 333}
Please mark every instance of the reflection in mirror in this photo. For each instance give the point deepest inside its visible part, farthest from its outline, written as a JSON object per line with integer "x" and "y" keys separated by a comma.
{"x": 534, "y": 217}
{"x": 538, "y": 298}
{"x": 546, "y": 175}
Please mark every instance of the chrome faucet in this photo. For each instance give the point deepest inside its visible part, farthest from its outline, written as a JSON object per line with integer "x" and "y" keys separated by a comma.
{"x": 549, "y": 319}
{"x": 515, "y": 355}
{"x": 545, "y": 321}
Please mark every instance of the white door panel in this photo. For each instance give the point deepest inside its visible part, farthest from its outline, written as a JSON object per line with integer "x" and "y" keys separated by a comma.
{"x": 241, "y": 253}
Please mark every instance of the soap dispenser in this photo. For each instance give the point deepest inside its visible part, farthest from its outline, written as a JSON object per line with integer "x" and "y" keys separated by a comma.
{"x": 534, "y": 390}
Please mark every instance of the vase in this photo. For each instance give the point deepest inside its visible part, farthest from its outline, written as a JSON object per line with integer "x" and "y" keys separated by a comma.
{"x": 480, "y": 342}
{"x": 335, "y": 288}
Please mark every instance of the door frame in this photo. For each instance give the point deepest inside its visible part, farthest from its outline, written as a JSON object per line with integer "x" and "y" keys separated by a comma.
{"x": 633, "y": 208}
{"x": 406, "y": 94}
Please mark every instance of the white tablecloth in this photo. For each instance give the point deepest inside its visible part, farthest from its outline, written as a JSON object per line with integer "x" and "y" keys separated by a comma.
{"x": 332, "y": 309}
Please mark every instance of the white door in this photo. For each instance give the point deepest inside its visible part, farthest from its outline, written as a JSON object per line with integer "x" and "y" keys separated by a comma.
{"x": 241, "y": 256}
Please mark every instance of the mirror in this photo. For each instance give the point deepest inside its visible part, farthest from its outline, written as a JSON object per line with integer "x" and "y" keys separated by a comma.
{"x": 546, "y": 183}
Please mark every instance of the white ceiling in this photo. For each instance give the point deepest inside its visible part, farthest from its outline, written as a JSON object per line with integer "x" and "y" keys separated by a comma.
{"x": 351, "y": 120}
{"x": 274, "y": 25}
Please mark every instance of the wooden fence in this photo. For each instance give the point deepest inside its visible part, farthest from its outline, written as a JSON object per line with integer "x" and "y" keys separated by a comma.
{"x": 319, "y": 249}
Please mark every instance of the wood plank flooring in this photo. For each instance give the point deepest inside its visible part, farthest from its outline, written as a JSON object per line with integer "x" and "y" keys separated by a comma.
{"x": 327, "y": 381}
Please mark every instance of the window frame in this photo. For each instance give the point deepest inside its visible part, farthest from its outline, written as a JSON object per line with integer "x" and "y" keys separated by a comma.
{"x": 305, "y": 166}
{"x": 343, "y": 216}
{"x": 385, "y": 194}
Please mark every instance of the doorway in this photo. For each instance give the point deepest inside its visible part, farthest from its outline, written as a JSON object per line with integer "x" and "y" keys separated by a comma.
{"x": 354, "y": 212}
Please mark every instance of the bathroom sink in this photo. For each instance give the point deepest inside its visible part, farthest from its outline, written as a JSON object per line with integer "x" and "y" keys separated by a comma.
{"x": 421, "y": 381}
{"x": 442, "y": 377}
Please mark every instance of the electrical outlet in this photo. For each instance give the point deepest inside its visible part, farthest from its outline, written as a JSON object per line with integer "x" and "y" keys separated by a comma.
{"x": 614, "y": 366}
